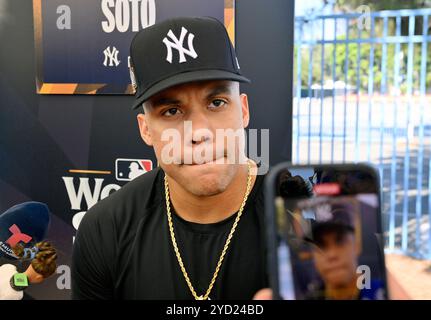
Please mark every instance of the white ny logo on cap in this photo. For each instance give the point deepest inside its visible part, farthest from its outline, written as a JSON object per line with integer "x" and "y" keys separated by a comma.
{"x": 178, "y": 44}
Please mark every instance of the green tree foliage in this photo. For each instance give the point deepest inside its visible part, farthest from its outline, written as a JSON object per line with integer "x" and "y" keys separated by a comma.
{"x": 350, "y": 52}
{"x": 377, "y": 5}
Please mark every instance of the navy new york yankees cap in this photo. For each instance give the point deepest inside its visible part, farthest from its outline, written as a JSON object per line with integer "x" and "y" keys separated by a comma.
{"x": 178, "y": 51}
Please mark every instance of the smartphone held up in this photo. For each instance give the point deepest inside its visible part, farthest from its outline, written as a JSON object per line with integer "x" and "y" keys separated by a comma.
{"x": 324, "y": 233}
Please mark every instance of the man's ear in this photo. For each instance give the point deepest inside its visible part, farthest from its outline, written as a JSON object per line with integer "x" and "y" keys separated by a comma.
{"x": 245, "y": 112}
{"x": 144, "y": 130}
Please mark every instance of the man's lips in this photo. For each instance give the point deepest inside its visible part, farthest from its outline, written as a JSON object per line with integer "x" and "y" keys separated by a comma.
{"x": 202, "y": 163}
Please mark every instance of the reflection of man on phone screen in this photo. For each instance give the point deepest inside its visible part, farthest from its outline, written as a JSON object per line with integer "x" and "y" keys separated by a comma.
{"x": 335, "y": 255}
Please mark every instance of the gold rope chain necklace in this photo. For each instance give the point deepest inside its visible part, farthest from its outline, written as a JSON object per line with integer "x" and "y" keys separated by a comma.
{"x": 226, "y": 246}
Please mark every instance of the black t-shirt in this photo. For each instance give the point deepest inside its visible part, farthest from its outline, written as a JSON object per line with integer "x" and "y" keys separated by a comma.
{"x": 123, "y": 248}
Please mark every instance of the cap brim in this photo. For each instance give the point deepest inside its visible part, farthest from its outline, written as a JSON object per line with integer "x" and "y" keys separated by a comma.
{"x": 185, "y": 77}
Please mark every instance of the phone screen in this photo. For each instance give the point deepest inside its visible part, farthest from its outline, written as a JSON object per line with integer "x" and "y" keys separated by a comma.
{"x": 328, "y": 234}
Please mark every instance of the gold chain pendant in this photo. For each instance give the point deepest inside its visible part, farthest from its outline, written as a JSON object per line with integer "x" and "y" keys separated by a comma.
{"x": 226, "y": 246}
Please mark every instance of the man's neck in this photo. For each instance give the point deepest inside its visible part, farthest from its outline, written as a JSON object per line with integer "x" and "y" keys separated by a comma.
{"x": 212, "y": 209}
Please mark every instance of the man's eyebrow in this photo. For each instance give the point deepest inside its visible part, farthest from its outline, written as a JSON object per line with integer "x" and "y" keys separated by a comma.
{"x": 220, "y": 89}
{"x": 163, "y": 101}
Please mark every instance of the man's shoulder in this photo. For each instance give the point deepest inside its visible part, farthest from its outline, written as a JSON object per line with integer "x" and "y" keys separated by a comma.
{"x": 135, "y": 196}
{"x": 140, "y": 189}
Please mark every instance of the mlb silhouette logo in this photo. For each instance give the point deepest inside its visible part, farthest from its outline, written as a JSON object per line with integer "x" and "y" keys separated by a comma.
{"x": 129, "y": 169}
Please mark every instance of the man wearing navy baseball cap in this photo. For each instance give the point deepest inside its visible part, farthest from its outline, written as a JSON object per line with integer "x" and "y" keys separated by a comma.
{"x": 193, "y": 227}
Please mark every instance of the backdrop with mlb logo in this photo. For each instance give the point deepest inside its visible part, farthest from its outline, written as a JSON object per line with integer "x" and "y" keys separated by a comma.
{"x": 68, "y": 137}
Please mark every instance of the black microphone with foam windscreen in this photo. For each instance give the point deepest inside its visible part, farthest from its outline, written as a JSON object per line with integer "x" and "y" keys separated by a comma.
{"x": 25, "y": 224}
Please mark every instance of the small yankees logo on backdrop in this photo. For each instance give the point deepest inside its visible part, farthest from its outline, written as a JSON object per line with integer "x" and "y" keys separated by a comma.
{"x": 111, "y": 55}
{"x": 178, "y": 44}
